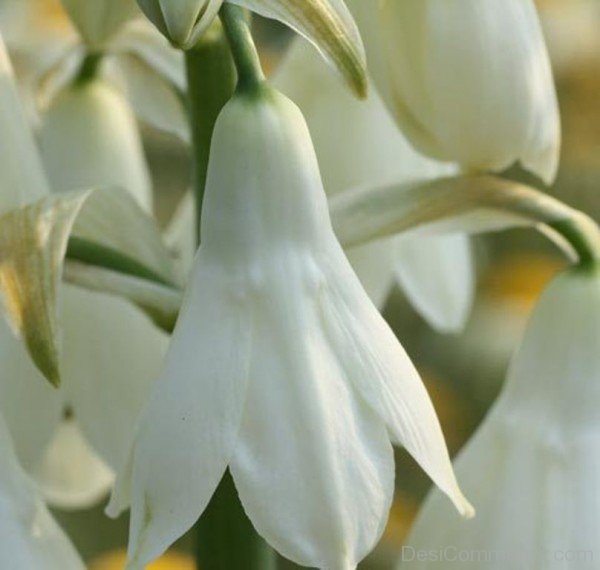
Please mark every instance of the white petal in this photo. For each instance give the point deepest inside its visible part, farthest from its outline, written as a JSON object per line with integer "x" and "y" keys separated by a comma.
{"x": 153, "y": 99}
{"x": 98, "y": 20}
{"x": 112, "y": 356}
{"x": 385, "y": 377}
{"x": 71, "y": 475}
{"x": 140, "y": 39}
{"x": 32, "y": 408}
{"x": 30, "y": 539}
{"x": 188, "y": 430}
{"x": 21, "y": 173}
{"x": 437, "y": 273}
{"x": 314, "y": 465}
{"x": 180, "y": 234}
{"x": 374, "y": 265}
{"x": 357, "y": 142}
{"x": 90, "y": 139}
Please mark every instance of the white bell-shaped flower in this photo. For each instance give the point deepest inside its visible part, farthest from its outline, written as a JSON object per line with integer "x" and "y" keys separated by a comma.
{"x": 30, "y": 539}
{"x": 90, "y": 139}
{"x": 532, "y": 468}
{"x": 469, "y": 81}
{"x": 360, "y": 146}
{"x": 99, "y": 20}
{"x": 280, "y": 366}
{"x": 182, "y": 21}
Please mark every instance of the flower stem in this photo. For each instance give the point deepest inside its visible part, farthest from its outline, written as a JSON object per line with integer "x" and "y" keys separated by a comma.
{"x": 225, "y": 537}
{"x": 245, "y": 55}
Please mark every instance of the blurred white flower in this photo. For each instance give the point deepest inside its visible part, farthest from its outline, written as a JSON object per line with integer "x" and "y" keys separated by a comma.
{"x": 30, "y": 539}
{"x": 359, "y": 146}
{"x": 183, "y": 22}
{"x": 89, "y": 138}
{"x": 99, "y": 20}
{"x": 280, "y": 367}
{"x": 111, "y": 350}
{"x": 532, "y": 469}
{"x": 468, "y": 81}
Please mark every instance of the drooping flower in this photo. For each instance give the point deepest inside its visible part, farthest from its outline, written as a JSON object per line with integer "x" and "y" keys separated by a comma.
{"x": 532, "y": 467}
{"x": 468, "y": 81}
{"x": 280, "y": 367}
{"x": 30, "y": 539}
{"x": 105, "y": 379}
{"x": 360, "y": 146}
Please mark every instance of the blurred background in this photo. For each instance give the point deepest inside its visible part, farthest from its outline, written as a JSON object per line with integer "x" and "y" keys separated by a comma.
{"x": 463, "y": 372}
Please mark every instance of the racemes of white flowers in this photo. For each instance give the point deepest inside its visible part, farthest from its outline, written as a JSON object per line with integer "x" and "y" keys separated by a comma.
{"x": 280, "y": 367}
{"x": 469, "y": 81}
{"x": 532, "y": 468}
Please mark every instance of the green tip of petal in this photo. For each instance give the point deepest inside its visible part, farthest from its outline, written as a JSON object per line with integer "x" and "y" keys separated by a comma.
{"x": 45, "y": 358}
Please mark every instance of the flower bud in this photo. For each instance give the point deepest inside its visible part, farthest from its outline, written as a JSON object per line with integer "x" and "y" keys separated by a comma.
{"x": 468, "y": 81}
{"x": 181, "y": 21}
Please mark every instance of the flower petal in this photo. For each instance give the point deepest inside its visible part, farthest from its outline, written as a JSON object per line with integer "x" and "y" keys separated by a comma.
{"x": 21, "y": 171}
{"x": 30, "y": 539}
{"x": 112, "y": 354}
{"x": 314, "y": 465}
{"x": 188, "y": 430}
{"x": 71, "y": 475}
{"x": 32, "y": 409}
{"x": 153, "y": 99}
{"x": 384, "y": 376}
{"x": 437, "y": 274}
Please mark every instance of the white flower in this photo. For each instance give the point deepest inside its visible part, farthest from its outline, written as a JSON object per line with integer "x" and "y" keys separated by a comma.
{"x": 182, "y": 21}
{"x": 469, "y": 81}
{"x": 360, "y": 146}
{"x": 532, "y": 468}
{"x": 111, "y": 349}
{"x": 89, "y": 138}
{"x": 30, "y": 539}
{"x": 99, "y": 20}
{"x": 280, "y": 366}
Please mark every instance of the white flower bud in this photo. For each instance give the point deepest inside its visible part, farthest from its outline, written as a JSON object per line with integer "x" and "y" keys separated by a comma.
{"x": 182, "y": 21}
{"x": 469, "y": 81}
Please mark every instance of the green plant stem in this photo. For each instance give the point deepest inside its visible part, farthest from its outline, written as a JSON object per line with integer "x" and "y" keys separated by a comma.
{"x": 226, "y": 539}
{"x": 583, "y": 234}
{"x": 245, "y": 55}
{"x": 211, "y": 82}
{"x": 89, "y": 68}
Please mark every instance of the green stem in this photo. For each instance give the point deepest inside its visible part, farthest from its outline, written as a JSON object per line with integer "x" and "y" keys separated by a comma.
{"x": 211, "y": 82}
{"x": 225, "y": 536}
{"x": 90, "y": 66}
{"x": 583, "y": 234}
{"x": 243, "y": 49}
